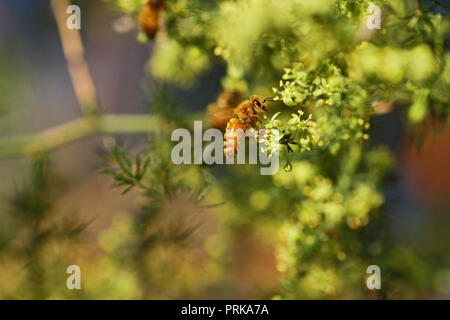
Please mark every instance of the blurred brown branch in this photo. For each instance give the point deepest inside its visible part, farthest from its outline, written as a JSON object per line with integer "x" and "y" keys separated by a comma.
{"x": 76, "y": 62}
{"x": 93, "y": 121}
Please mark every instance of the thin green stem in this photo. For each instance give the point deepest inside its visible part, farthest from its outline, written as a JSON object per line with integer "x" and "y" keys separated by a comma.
{"x": 34, "y": 144}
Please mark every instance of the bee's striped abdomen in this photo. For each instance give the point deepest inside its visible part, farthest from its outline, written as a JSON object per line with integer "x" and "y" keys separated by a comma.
{"x": 231, "y": 141}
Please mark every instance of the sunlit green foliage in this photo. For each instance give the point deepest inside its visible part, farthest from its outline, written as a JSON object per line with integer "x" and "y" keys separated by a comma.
{"x": 323, "y": 211}
{"x": 330, "y": 71}
{"x": 38, "y": 238}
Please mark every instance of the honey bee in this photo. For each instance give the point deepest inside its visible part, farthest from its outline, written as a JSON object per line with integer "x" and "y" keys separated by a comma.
{"x": 247, "y": 116}
{"x": 150, "y": 16}
{"x": 221, "y": 111}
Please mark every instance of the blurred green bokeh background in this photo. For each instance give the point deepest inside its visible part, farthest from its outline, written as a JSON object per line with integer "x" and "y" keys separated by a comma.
{"x": 368, "y": 181}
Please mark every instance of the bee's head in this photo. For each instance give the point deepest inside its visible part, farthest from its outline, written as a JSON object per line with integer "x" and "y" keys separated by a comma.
{"x": 259, "y": 104}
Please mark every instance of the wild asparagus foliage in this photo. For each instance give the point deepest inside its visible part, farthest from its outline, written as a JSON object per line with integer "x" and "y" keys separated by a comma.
{"x": 127, "y": 174}
{"x": 335, "y": 74}
{"x": 332, "y": 75}
{"x": 154, "y": 240}
{"x": 333, "y": 63}
{"x": 39, "y": 240}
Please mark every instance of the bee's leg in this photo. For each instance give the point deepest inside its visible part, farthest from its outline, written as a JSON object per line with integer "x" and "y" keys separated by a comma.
{"x": 254, "y": 118}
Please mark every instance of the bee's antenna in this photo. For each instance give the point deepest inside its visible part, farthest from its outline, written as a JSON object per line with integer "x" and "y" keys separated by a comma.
{"x": 269, "y": 99}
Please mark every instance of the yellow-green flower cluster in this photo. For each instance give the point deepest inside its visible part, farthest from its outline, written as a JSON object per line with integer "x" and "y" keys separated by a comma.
{"x": 127, "y": 6}
{"x": 326, "y": 211}
{"x": 179, "y": 64}
{"x": 337, "y": 108}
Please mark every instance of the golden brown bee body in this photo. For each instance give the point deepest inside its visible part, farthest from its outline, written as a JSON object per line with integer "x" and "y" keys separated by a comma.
{"x": 150, "y": 16}
{"x": 246, "y": 117}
